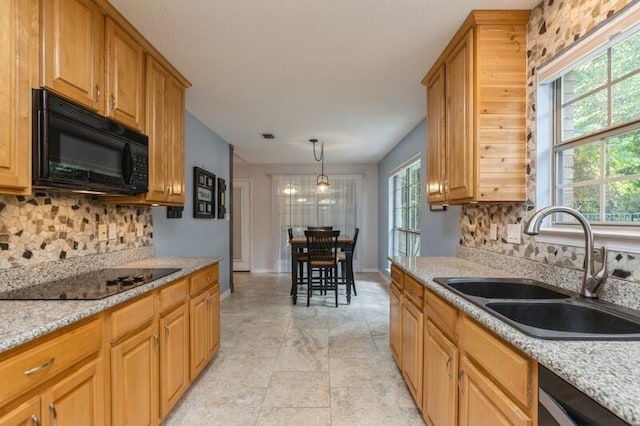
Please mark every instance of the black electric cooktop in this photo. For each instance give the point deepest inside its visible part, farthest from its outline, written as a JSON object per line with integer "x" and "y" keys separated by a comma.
{"x": 89, "y": 286}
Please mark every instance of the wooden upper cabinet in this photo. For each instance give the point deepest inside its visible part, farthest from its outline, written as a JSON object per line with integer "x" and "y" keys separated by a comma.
{"x": 18, "y": 54}
{"x": 73, "y": 51}
{"x": 459, "y": 184}
{"x": 157, "y": 91}
{"x": 484, "y": 148}
{"x": 175, "y": 142}
{"x": 436, "y": 148}
{"x": 125, "y": 77}
{"x": 165, "y": 127}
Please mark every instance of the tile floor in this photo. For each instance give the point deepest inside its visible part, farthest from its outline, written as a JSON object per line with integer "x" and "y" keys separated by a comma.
{"x": 281, "y": 364}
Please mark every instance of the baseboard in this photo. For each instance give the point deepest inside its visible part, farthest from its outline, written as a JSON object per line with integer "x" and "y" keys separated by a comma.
{"x": 225, "y": 294}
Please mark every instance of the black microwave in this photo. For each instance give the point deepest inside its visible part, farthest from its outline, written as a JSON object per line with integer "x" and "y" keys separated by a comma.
{"x": 78, "y": 150}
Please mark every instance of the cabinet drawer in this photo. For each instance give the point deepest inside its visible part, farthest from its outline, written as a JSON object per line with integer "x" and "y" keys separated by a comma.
{"x": 441, "y": 314}
{"x": 26, "y": 370}
{"x": 202, "y": 279}
{"x": 414, "y": 291}
{"x": 506, "y": 367}
{"x": 174, "y": 294}
{"x": 132, "y": 316}
{"x": 397, "y": 277}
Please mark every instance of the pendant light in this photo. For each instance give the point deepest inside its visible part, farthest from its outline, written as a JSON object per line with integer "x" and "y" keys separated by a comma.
{"x": 322, "y": 180}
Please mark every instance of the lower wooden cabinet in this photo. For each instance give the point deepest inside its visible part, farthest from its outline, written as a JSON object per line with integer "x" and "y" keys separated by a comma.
{"x": 174, "y": 357}
{"x": 412, "y": 347}
{"x": 483, "y": 404}
{"x": 395, "y": 324}
{"x": 440, "y": 378}
{"x": 76, "y": 399}
{"x": 27, "y": 414}
{"x": 458, "y": 371}
{"x": 134, "y": 379}
{"x": 204, "y": 328}
{"x": 126, "y": 366}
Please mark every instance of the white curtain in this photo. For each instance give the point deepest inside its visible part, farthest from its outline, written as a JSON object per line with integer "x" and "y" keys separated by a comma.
{"x": 299, "y": 204}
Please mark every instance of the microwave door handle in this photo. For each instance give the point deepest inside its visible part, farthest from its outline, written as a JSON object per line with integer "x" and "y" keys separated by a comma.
{"x": 42, "y": 145}
{"x": 128, "y": 165}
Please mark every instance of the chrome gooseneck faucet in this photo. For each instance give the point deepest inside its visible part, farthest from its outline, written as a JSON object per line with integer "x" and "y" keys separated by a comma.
{"x": 592, "y": 280}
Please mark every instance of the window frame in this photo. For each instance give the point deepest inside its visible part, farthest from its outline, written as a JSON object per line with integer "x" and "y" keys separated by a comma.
{"x": 404, "y": 230}
{"x": 617, "y": 236}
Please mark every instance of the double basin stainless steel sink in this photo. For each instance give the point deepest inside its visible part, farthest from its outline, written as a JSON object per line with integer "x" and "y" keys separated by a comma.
{"x": 547, "y": 312}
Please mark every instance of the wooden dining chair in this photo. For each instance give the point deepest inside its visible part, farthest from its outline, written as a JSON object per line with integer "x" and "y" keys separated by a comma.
{"x": 302, "y": 260}
{"x": 322, "y": 252}
{"x": 346, "y": 268}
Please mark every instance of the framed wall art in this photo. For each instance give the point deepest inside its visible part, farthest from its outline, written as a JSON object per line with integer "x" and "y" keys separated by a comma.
{"x": 203, "y": 188}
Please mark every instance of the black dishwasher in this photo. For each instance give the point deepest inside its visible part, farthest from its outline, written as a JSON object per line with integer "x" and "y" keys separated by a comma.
{"x": 559, "y": 403}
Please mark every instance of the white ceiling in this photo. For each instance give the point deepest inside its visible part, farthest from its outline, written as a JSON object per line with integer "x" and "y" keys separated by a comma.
{"x": 344, "y": 71}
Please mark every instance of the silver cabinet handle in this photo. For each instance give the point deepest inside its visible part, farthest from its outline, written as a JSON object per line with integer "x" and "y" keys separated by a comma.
{"x": 168, "y": 191}
{"x": 156, "y": 340}
{"x": 166, "y": 331}
{"x": 113, "y": 102}
{"x": 445, "y": 186}
{"x": 39, "y": 368}
{"x": 35, "y": 420}
{"x": 98, "y": 93}
{"x": 449, "y": 366}
{"x": 54, "y": 413}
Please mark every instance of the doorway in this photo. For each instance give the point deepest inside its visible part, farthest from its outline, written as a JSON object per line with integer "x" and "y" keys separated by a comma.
{"x": 241, "y": 225}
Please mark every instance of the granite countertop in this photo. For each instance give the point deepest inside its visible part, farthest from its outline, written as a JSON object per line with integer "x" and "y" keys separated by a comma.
{"x": 24, "y": 320}
{"x": 607, "y": 371}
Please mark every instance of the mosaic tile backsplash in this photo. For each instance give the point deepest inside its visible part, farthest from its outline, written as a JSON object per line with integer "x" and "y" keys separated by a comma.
{"x": 554, "y": 25}
{"x": 49, "y": 226}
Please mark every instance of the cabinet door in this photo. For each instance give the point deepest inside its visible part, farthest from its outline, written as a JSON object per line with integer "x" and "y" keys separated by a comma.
{"x": 436, "y": 138}
{"x": 483, "y": 404}
{"x": 214, "y": 320}
{"x": 134, "y": 379}
{"x": 459, "y": 128}
{"x": 125, "y": 77}
{"x": 27, "y": 414}
{"x": 73, "y": 50}
{"x": 175, "y": 142}
{"x": 395, "y": 324}
{"x": 440, "y": 375}
{"x": 199, "y": 330}
{"x": 77, "y": 399}
{"x": 16, "y": 53}
{"x": 412, "y": 349}
{"x": 157, "y": 89}
{"x": 174, "y": 357}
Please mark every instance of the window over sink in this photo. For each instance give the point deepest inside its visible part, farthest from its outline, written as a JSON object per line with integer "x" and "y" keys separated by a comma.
{"x": 588, "y": 132}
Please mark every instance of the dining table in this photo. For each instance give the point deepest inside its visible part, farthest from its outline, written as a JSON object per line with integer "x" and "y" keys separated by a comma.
{"x": 345, "y": 243}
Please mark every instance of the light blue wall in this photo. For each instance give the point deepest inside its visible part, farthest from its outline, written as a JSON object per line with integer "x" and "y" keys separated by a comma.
{"x": 439, "y": 231}
{"x": 189, "y": 236}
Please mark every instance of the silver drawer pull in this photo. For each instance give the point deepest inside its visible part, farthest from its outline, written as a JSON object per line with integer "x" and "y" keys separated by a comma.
{"x": 35, "y": 420}
{"x": 54, "y": 413}
{"x": 39, "y": 368}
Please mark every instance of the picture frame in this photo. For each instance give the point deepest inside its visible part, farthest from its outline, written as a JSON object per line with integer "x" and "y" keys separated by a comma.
{"x": 203, "y": 190}
{"x": 222, "y": 207}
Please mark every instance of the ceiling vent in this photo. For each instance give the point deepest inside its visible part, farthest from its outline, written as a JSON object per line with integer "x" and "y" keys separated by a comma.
{"x": 268, "y": 136}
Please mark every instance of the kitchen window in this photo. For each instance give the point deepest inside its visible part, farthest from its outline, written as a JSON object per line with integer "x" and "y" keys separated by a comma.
{"x": 589, "y": 108}
{"x": 404, "y": 201}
